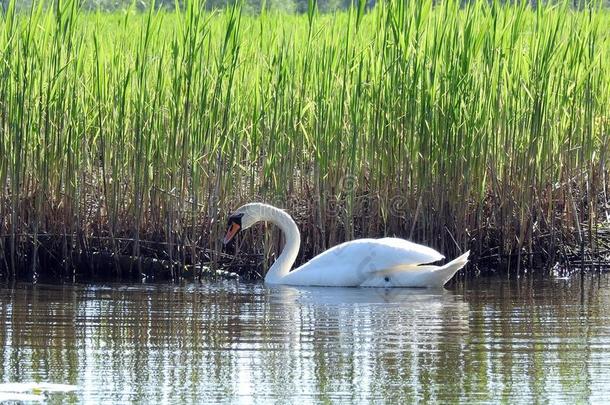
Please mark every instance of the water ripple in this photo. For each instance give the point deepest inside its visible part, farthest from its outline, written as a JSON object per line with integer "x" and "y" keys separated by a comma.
{"x": 485, "y": 341}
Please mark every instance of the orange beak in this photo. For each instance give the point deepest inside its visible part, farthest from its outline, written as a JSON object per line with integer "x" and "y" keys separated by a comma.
{"x": 231, "y": 232}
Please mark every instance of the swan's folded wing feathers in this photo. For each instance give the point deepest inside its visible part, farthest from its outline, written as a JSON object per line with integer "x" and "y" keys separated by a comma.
{"x": 354, "y": 261}
{"x": 420, "y": 254}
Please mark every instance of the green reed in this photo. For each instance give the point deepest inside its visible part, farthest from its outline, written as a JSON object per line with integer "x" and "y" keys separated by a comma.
{"x": 481, "y": 126}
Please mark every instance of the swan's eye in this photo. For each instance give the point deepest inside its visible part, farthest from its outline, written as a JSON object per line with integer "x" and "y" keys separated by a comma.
{"x": 387, "y": 279}
{"x": 235, "y": 219}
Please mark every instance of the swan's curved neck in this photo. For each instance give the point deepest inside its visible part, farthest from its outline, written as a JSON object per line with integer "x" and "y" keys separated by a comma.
{"x": 282, "y": 266}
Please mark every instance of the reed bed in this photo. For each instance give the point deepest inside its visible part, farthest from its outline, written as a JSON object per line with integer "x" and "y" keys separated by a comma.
{"x": 481, "y": 126}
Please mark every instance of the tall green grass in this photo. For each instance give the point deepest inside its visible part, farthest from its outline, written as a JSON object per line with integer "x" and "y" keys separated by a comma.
{"x": 481, "y": 126}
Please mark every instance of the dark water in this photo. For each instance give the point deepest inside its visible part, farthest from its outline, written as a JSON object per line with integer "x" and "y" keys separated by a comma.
{"x": 485, "y": 341}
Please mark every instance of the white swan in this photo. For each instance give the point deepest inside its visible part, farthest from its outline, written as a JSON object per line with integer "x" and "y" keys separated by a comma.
{"x": 386, "y": 262}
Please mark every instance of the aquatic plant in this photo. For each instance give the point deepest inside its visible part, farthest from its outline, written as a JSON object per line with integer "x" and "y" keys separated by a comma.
{"x": 477, "y": 125}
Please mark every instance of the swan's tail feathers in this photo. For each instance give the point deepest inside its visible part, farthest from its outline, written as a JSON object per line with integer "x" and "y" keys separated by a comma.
{"x": 461, "y": 261}
{"x": 413, "y": 275}
{"x": 447, "y": 271}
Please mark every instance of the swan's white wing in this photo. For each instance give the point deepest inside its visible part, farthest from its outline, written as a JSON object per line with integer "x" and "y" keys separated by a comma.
{"x": 351, "y": 263}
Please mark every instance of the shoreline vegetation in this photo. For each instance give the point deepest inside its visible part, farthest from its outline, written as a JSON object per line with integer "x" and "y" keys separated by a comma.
{"x": 127, "y": 137}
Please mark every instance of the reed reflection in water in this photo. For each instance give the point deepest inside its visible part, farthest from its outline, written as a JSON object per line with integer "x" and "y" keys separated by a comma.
{"x": 486, "y": 340}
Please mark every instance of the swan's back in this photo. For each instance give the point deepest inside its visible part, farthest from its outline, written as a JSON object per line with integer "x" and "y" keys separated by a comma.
{"x": 352, "y": 263}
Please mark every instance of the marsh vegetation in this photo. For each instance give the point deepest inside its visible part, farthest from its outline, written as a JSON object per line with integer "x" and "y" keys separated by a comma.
{"x": 125, "y": 138}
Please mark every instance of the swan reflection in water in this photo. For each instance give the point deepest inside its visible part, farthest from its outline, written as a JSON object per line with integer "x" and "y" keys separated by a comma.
{"x": 360, "y": 295}
{"x": 422, "y": 314}
{"x": 351, "y": 340}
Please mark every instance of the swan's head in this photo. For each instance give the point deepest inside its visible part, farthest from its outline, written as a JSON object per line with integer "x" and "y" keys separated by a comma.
{"x": 243, "y": 218}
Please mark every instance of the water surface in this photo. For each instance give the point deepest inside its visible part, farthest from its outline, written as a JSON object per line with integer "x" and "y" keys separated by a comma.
{"x": 486, "y": 340}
